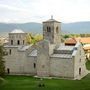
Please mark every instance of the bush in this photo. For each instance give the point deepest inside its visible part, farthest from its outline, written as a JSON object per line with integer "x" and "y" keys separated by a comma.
{"x": 2, "y": 67}
{"x": 88, "y": 64}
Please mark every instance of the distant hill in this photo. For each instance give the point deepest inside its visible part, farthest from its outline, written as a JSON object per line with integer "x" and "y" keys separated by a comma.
{"x": 78, "y": 27}
{"x": 27, "y": 27}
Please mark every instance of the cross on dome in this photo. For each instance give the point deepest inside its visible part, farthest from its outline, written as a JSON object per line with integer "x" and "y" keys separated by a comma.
{"x": 51, "y": 16}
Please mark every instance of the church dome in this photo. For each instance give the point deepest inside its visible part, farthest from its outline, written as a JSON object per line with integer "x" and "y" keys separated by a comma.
{"x": 17, "y": 31}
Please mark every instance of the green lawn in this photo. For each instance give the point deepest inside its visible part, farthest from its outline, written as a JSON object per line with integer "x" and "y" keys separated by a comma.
{"x": 0, "y": 81}
{"x": 30, "y": 83}
{"x": 88, "y": 64}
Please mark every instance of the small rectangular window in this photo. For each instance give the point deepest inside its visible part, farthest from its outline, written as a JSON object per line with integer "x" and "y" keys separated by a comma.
{"x": 18, "y": 42}
{"x": 10, "y": 51}
{"x": 79, "y": 71}
{"x": 11, "y": 42}
{"x": 34, "y": 65}
{"x": 8, "y": 70}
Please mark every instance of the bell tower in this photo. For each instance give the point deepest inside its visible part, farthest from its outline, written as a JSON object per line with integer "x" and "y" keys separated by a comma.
{"x": 52, "y": 31}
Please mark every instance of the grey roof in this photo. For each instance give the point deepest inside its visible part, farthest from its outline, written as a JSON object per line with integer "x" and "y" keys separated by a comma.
{"x": 24, "y": 48}
{"x": 20, "y": 48}
{"x": 62, "y": 55}
{"x": 64, "y": 50}
{"x": 11, "y": 46}
{"x": 33, "y": 53}
{"x": 63, "y": 47}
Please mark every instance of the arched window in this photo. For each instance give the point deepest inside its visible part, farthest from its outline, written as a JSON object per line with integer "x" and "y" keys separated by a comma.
{"x": 57, "y": 31}
{"x": 48, "y": 29}
{"x": 11, "y": 42}
{"x": 18, "y": 42}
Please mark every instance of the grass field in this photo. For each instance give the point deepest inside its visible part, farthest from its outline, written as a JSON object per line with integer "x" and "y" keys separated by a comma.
{"x": 30, "y": 83}
{"x": 0, "y": 81}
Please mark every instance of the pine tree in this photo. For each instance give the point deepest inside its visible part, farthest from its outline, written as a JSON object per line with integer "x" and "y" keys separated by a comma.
{"x": 2, "y": 67}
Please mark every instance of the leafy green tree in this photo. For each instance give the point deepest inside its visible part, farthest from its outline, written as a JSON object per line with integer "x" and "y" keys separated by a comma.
{"x": 2, "y": 67}
{"x": 66, "y": 36}
{"x": 29, "y": 38}
{"x": 33, "y": 39}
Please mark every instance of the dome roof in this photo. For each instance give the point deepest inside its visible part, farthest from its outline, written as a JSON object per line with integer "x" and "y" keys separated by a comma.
{"x": 51, "y": 20}
{"x": 17, "y": 31}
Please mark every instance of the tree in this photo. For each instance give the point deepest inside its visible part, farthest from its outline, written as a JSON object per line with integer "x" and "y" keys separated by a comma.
{"x": 2, "y": 67}
{"x": 66, "y": 36}
{"x": 38, "y": 37}
{"x": 33, "y": 39}
{"x": 29, "y": 38}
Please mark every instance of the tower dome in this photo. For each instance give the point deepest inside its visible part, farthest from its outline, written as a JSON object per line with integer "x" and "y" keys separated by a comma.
{"x": 17, "y": 37}
{"x": 17, "y": 31}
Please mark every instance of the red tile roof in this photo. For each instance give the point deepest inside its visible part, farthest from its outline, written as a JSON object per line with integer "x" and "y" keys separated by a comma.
{"x": 86, "y": 48}
{"x": 84, "y": 40}
{"x": 70, "y": 41}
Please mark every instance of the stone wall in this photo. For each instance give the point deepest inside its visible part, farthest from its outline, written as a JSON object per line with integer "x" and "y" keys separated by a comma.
{"x": 61, "y": 67}
{"x": 31, "y": 65}
{"x": 17, "y": 36}
{"x": 18, "y": 62}
{"x": 15, "y": 61}
{"x": 79, "y": 62}
{"x": 43, "y": 62}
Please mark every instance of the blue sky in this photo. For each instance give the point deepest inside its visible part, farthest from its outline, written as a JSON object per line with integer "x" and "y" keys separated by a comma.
{"x": 39, "y": 10}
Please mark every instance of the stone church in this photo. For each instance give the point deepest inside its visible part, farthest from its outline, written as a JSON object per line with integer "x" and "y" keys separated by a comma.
{"x": 48, "y": 58}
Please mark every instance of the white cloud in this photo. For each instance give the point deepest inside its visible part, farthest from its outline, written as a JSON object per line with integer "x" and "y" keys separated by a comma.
{"x": 11, "y": 8}
{"x": 39, "y": 10}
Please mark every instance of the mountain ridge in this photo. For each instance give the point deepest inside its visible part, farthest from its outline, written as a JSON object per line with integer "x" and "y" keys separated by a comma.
{"x": 33, "y": 27}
